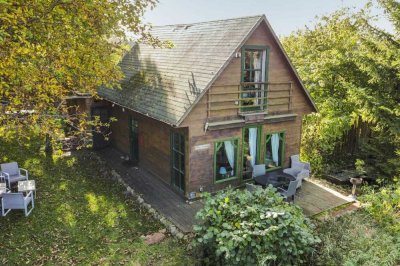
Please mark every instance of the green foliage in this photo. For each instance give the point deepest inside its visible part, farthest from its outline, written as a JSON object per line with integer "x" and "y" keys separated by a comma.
{"x": 81, "y": 217}
{"x": 384, "y": 205}
{"x": 351, "y": 69}
{"x": 51, "y": 49}
{"x": 354, "y": 239}
{"x": 243, "y": 228}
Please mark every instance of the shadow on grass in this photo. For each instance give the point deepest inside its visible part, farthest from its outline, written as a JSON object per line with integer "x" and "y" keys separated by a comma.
{"x": 81, "y": 216}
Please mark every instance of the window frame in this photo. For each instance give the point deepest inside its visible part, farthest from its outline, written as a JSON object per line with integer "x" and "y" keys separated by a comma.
{"x": 235, "y": 139}
{"x": 259, "y": 150}
{"x": 263, "y": 107}
{"x": 283, "y": 132}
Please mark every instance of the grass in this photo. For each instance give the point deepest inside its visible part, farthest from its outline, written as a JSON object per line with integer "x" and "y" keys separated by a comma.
{"x": 355, "y": 239}
{"x": 80, "y": 217}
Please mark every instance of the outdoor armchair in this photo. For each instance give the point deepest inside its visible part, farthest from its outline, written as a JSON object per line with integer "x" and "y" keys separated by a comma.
{"x": 12, "y": 173}
{"x": 258, "y": 169}
{"x": 17, "y": 201}
{"x": 298, "y": 169}
{"x": 288, "y": 194}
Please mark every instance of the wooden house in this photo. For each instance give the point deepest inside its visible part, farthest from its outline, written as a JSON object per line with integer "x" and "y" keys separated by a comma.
{"x": 201, "y": 114}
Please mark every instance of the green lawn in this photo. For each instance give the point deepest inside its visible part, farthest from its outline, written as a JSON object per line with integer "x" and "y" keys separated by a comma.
{"x": 81, "y": 217}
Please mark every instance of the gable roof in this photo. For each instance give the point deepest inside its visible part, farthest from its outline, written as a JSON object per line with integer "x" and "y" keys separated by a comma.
{"x": 165, "y": 84}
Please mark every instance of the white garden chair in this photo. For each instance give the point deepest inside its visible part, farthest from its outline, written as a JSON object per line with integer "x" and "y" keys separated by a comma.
{"x": 17, "y": 201}
{"x": 12, "y": 173}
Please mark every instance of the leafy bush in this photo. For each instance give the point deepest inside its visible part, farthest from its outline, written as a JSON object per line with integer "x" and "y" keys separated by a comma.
{"x": 384, "y": 206}
{"x": 244, "y": 228}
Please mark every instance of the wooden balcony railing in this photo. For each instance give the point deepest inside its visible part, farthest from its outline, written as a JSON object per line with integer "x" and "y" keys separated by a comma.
{"x": 250, "y": 97}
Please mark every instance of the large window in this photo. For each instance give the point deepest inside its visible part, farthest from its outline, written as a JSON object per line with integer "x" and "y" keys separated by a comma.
{"x": 254, "y": 76}
{"x": 178, "y": 160}
{"x": 225, "y": 159}
{"x": 274, "y": 150}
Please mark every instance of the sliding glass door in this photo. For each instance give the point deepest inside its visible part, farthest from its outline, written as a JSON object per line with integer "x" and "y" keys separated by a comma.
{"x": 251, "y": 150}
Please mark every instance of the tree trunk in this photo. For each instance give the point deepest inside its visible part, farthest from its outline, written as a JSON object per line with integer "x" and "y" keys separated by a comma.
{"x": 48, "y": 146}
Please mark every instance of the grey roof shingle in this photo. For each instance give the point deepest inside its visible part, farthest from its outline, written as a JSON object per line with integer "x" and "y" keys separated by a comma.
{"x": 165, "y": 83}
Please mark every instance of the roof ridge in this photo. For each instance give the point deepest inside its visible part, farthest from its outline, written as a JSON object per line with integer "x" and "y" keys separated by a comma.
{"x": 204, "y": 22}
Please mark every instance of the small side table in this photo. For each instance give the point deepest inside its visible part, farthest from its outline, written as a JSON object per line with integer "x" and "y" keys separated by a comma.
{"x": 2, "y": 177}
{"x": 26, "y": 186}
{"x": 3, "y": 188}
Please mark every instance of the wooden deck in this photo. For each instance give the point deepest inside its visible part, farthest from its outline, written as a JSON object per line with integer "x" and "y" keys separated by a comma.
{"x": 312, "y": 198}
{"x": 154, "y": 191}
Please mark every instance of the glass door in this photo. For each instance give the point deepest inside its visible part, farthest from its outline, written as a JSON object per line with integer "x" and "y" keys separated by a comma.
{"x": 178, "y": 161}
{"x": 251, "y": 150}
{"x": 253, "y": 79}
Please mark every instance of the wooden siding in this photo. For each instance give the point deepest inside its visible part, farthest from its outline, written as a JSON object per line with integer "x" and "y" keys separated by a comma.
{"x": 201, "y": 161}
{"x": 154, "y": 141}
{"x": 279, "y": 75}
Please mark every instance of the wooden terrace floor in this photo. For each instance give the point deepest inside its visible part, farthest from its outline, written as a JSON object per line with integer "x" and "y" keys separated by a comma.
{"x": 154, "y": 192}
{"x": 312, "y": 198}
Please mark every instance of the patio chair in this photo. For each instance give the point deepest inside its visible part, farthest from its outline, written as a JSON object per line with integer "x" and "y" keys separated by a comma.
{"x": 288, "y": 194}
{"x": 298, "y": 169}
{"x": 258, "y": 169}
{"x": 16, "y": 201}
{"x": 12, "y": 173}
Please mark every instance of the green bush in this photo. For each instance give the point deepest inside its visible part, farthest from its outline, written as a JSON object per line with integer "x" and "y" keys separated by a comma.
{"x": 384, "y": 206}
{"x": 243, "y": 228}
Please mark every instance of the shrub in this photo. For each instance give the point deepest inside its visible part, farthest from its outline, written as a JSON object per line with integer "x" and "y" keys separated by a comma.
{"x": 355, "y": 239}
{"x": 244, "y": 228}
{"x": 384, "y": 206}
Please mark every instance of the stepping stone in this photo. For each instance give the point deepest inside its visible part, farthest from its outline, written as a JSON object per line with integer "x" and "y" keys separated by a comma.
{"x": 154, "y": 238}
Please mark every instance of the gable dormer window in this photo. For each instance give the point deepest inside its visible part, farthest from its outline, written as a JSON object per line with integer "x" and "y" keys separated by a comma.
{"x": 254, "y": 77}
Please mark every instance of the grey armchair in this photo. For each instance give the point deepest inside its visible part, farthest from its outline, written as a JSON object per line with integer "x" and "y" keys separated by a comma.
{"x": 12, "y": 173}
{"x": 298, "y": 169}
{"x": 288, "y": 194}
{"x": 17, "y": 201}
{"x": 258, "y": 169}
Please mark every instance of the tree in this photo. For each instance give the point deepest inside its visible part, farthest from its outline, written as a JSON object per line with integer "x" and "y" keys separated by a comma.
{"x": 51, "y": 49}
{"x": 352, "y": 71}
